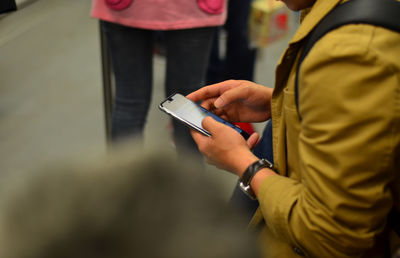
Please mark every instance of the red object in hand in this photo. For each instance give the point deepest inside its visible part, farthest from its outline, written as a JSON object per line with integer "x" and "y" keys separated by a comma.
{"x": 248, "y": 127}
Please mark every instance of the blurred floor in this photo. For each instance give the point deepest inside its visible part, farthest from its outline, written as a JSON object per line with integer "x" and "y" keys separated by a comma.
{"x": 51, "y": 104}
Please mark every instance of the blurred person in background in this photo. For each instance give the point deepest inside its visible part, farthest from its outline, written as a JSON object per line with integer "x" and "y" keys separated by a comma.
{"x": 130, "y": 28}
{"x": 119, "y": 206}
{"x": 238, "y": 60}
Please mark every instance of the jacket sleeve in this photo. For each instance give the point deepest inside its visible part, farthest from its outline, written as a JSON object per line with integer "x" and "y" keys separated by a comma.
{"x": 350, "y": 107}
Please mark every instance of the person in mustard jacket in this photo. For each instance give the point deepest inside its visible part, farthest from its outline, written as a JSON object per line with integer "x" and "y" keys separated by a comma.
{"x": 336, "y": 170}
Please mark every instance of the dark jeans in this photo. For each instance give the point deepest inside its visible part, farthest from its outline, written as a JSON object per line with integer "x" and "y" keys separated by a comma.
{"x": 239, "y": 59}
{"x": 7, "y": 6}
{"x": 263, "y": 149}
{"x": 131, "y": 52}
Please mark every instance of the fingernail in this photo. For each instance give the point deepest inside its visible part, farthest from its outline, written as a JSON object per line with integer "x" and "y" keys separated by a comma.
{"x": 218, "y": 103}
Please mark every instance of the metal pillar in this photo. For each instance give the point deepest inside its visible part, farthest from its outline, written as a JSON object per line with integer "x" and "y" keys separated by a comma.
{"x": 107, "y": 83}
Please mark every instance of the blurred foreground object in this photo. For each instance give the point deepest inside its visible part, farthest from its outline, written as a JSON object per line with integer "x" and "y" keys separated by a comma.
{"x": 129, "y": 204}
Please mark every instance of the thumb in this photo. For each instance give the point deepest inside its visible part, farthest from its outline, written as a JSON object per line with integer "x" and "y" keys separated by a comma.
{"x": 211, "y": 125}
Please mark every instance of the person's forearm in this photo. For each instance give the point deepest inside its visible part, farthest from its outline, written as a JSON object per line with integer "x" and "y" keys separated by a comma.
{"x": 259, "y": 178}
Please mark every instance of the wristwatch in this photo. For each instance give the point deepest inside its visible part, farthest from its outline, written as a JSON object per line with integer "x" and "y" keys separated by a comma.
{"x": 245, "y": 179}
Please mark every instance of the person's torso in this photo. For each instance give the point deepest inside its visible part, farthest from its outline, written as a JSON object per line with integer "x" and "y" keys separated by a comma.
{"x": 161, "y": 14}
{"x": 287, "y": 126}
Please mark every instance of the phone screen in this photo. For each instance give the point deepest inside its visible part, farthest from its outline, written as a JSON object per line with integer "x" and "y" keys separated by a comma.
{"x": 192, "y": 114}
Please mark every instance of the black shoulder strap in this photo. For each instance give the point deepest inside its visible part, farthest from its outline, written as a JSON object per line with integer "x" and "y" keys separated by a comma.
{"x": 383, "y": 13}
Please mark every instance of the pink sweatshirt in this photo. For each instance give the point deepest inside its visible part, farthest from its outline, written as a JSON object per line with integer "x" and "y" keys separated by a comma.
{"x": 161, "y": 14}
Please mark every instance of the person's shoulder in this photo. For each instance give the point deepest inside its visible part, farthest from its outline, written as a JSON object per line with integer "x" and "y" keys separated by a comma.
{"x": 361, "y": 41}
{"x": 352, "y": 39}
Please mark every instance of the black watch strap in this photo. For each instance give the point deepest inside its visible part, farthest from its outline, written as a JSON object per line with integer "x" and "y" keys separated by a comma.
{"x": 245, "y": 179}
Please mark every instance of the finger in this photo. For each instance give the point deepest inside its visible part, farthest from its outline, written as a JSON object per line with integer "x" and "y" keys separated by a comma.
{"x": 211, "y": 91}
{"x": 201, "y": 141}
{"x": 215, "y": 127}
{"x": 197, "y": 136}
{"x": 208, "y": 104}
{"x": 253, "y": 140}
{"x": 222, "y": 115}
{"x": 232, "y": 95}
{"x": 204, "y": 93}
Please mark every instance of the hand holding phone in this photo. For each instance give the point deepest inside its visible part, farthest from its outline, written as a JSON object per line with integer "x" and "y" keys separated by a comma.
{"x": 238, "y": 100}
{"x": 192, "y": 114}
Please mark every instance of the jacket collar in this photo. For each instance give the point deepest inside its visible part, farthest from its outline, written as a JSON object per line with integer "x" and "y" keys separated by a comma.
{"x": 314, "y": 15}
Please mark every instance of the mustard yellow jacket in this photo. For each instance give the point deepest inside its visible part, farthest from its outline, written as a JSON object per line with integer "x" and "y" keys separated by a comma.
{"x": 339, "y": 163}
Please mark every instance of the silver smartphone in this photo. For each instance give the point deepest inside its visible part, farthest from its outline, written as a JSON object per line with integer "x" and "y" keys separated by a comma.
{"x": 192, "y": 114}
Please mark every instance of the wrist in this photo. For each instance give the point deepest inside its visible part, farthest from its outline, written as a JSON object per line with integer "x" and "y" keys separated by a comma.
{"x": 258, "y": 171}
{"x": 245, "y": 162}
